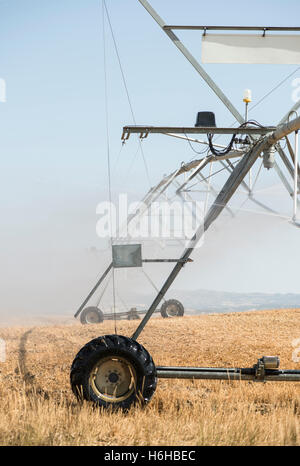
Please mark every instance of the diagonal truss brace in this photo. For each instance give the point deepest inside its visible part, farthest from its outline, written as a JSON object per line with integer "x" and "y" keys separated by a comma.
{"x": 235, "y": 179}
{"x": 152, "y": 195}
{"x": 233, "y": 182}
{"x": 193, "y": 61}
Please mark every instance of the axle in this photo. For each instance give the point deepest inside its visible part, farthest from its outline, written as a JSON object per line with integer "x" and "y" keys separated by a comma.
{"x": 266, "y": 369}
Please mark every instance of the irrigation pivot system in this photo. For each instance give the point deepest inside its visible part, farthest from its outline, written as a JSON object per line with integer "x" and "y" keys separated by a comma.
{"x": 116, "y": 371}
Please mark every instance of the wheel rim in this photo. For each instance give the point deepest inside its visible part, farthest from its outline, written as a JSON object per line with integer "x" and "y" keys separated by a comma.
{"x": 92, "y": 317}
{"x": 113, "y": 379}
{"x": 172, "y": 310}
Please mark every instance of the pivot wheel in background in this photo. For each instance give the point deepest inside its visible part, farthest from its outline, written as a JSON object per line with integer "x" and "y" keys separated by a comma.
{"x": 91, "y": 315}
{"x": 132, "y": 314}
{"x": 172, "y": 308}
{"x": 113, "y": 371}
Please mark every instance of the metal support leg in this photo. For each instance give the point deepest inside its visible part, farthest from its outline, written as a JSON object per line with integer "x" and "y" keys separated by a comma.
{"x": 285, "y": 182}
{"x": 230, "y": 167}
{"x": 94, "y": 289}
{"x": 213, "y": 191}
{"x": 233, "y": 182}
{"x": 285, "y": 160}
{"x": 292, "y": 154}
{"x": 103, "y": 291}
{"x": 152, "y": 283}
{"x": 150, "y": 197}
{"x": 197, "y": 170}
{"x": 295, "y": 177}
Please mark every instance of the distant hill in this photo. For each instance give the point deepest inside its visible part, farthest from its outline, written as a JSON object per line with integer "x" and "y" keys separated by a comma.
{"x": 221, "y": 301}
{"x": 206, "y": 301}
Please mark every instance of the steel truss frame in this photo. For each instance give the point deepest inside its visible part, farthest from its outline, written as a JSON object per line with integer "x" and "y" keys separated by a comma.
{"x": 262, "y": 140}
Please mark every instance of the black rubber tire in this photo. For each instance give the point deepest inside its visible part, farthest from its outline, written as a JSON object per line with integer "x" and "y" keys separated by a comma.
{"x": 176, "y": 305}
{"x": 112, "y": 347}
{"x": 98, "y": 315}
{"x": 133, "y": 315}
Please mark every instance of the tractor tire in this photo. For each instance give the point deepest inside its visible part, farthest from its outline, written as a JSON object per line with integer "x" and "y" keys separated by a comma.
{"x": 172, "y": 308}
{"x": 133, "y": 315}
{"x": 91, "y": 315}
{"x": 113, "y": 371}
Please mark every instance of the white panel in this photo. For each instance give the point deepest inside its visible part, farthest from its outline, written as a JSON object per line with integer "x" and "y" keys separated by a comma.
{"x": 250, "y": 48}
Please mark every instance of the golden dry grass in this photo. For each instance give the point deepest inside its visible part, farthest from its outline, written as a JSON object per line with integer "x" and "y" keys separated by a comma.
{"x": 37, "y": 406}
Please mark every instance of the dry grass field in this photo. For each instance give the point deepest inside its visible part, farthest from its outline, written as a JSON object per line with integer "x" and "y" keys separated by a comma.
{"x": 37, "y": 406}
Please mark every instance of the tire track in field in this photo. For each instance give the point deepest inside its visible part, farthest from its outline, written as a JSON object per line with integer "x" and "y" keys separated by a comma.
{"x": 28, "y": 377}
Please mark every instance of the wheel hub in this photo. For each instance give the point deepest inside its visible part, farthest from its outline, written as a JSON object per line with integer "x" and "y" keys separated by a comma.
{"x": 113, "y": 379}
{"x": 172, "y": 310}
{"x": 92, "y": 317}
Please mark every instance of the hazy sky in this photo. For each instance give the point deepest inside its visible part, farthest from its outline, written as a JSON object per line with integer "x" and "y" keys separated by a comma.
{"x": 54, "y": 150}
